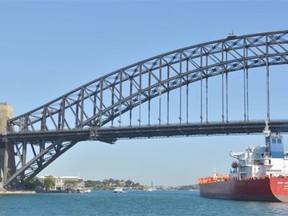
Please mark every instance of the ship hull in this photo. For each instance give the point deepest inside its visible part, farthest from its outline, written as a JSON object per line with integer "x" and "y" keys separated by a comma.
{"x": 269, "y": 190}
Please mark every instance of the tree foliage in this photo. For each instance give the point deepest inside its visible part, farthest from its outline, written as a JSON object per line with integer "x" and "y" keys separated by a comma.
{"x": 34, "y": 184}
{"x": 112, "y": 183}
{"x": 49, "y": 182}
{"x": 71, "y": 183}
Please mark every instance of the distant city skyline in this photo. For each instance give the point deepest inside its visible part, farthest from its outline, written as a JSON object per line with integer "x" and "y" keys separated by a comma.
{"x": 50, "y": 48}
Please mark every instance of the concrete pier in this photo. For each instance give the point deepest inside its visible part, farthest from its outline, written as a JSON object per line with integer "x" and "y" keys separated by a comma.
{"x": 6, "y": 112}
{"x": 5, "y": 192}
{"x": 6, "y": 151}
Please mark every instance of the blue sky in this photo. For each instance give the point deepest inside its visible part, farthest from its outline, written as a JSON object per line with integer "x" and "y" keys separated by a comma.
{"x": 48, "y": 48}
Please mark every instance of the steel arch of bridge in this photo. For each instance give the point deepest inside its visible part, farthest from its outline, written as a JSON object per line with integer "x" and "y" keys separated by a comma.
{"x": 53, "y": 128}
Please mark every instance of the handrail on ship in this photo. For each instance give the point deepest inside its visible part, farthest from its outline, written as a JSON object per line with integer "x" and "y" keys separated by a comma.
{"x": 213, "y": 179}
{"x": 207, "y": 180}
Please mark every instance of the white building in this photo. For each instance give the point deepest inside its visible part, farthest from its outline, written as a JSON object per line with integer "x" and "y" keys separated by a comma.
{"x": 65, "y": 182}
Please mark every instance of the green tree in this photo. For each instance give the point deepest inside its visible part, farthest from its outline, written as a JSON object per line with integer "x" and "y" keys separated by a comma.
{"x": 105, "y": 182}
{"x": 70, "y": 183}
{"x": 49, "y": 182}
{"x": 129, "y": 183}
{"x": 117, "y": 182}
{"x": 33, "y": 184}
{"x": 90, "y": 183}
{"x": 111, "y": 182}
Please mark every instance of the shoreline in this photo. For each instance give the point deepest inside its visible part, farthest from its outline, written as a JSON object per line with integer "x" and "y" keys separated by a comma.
{"x": 16, "y": 192}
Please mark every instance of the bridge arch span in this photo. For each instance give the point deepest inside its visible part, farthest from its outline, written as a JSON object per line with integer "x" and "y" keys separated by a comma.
{"x": 103, "y": 100}
{"x": 53, "y": 128}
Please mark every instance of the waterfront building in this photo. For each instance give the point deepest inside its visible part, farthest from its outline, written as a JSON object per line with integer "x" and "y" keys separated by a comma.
{"x": 64, "y": 182}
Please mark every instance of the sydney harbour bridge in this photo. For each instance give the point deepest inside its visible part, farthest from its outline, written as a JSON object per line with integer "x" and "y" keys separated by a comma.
{"x": 171, "y": 94}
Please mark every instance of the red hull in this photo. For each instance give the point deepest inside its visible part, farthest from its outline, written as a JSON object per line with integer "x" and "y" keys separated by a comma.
{"x": 271, "y": 190}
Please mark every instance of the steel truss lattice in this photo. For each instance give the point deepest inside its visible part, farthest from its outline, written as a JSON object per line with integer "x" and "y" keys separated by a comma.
{"x": 53, "y": 128}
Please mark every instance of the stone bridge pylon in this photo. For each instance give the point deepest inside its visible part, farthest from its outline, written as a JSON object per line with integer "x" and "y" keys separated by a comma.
{"x": 7, "y": 162}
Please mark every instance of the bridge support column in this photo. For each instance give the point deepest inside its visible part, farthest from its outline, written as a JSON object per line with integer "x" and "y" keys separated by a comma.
{"x": 4, "y": 161}
{"x": 7, "y": 163}
{"x": 2, "y": 156}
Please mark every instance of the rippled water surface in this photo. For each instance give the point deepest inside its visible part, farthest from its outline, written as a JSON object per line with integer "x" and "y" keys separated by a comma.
{"x": 133, "y": 203}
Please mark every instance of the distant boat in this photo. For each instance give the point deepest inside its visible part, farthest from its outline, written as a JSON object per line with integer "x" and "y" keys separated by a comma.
{"x": 151, "y": 188}
{"x": 83, "y": 190}
{"x": 118, "y": 190}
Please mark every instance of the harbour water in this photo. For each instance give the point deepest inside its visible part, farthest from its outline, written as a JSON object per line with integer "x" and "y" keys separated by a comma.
{"x": 133, "y": 203}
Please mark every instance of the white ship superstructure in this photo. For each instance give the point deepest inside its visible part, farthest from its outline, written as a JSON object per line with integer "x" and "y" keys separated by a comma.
{"x": 261, "y": 161}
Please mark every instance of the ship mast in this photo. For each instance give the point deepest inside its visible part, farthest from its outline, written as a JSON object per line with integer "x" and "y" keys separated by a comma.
{"x": 266, "y": 130}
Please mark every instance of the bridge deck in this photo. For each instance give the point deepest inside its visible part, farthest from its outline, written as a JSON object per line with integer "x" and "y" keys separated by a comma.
{"x": 111, "y": 134}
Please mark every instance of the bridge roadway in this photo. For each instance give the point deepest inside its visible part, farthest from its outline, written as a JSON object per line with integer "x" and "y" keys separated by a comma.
{"x": 112, "y": 134}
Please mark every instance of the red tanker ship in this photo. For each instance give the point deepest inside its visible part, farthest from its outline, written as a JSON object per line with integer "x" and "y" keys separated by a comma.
{"x": 259, "y": 174}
